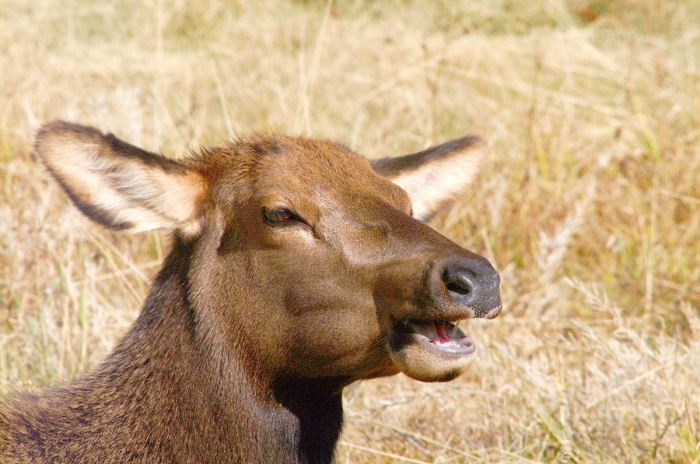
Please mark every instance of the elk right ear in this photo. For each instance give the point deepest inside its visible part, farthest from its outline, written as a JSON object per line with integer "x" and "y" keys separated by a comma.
{"x": 435, "y": 177}
{"x": 119, "y": 185}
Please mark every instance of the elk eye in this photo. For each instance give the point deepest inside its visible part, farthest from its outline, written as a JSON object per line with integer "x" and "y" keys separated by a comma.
{"x": 274, "y": 217}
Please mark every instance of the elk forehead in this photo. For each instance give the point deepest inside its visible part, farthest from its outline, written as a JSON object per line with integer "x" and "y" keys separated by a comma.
{"x": 300, "y": 170}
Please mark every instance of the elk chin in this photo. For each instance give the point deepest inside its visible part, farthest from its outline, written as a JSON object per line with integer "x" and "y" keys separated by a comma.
{"x": 430, "y": 351}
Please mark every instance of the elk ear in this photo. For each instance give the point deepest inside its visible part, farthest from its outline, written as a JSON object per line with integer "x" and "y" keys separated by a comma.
{"x": 436, "y": 177}
{"x": 119, "y": 185}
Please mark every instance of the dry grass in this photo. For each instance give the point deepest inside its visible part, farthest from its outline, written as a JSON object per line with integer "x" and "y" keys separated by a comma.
{"x": 589, "y": 204}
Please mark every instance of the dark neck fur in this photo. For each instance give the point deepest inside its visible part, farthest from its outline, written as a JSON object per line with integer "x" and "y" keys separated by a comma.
{"x": 317, "y": 404}
{"x": 301, "y": 417}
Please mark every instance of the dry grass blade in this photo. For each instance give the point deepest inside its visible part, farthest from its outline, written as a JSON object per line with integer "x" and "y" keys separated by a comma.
{"x": 384, "y": 454}
{"x": 409, "y": 433}
{"x": 637, "y": 379}
{"x": 589, "y": 204}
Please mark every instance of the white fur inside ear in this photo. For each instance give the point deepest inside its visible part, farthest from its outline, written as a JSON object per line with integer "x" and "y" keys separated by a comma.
{"x": 156, "y": 199}
{"x": 124, "y": 192}
{"x": 435, "y": 184}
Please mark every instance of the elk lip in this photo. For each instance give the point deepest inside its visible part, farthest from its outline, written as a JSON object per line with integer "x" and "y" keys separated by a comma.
{"x": 440, "y": 335}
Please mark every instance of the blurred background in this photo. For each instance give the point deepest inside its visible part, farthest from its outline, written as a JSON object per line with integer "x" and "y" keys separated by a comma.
{"x": 588, "y": 205}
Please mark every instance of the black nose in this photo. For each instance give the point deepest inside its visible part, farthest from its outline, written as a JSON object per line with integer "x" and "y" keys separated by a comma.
{"x": 473, "y": 282}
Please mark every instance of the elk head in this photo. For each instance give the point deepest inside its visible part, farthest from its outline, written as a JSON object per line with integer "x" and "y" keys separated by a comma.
{"x": 305, "y": 259}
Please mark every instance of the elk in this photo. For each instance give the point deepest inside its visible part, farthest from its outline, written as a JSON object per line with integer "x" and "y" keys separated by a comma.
{"x": 297, "y": 267}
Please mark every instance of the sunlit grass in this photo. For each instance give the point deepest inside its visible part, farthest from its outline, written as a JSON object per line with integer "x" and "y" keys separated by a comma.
{"x": 589, "y": 204}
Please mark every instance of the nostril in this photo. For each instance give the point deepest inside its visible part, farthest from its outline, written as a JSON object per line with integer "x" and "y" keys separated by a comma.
{"x": 460, "y": 283}
{"x": 457, "y": 282}
{"x": 470, "y": 282}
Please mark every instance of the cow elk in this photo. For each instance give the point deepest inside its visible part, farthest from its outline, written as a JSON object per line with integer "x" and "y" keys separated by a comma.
{"x": 297, "y": 267}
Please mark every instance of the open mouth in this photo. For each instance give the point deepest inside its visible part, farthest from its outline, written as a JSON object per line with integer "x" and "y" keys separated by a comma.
{"x": 430, "y": 350}
{"x": 443, "y": 337}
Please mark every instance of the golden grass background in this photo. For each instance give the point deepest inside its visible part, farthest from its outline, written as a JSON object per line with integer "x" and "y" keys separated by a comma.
{"x": 589, "y": 204}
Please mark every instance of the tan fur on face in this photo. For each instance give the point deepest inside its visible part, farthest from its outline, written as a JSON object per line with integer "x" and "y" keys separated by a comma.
{"x": 417, "y": 363}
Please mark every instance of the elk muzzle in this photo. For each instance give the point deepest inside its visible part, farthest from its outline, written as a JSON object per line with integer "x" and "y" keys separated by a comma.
{"x": 426, "y": 344}
{"x": 472, "y": 283}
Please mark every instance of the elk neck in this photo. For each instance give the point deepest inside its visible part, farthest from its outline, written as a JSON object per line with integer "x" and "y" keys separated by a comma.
{"x": 190, "y": 370}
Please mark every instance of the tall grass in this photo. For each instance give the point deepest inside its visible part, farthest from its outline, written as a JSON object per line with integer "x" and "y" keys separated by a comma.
{"x": 589, "y": 204}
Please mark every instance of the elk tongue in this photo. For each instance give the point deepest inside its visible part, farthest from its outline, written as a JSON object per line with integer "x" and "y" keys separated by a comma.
{"x": 442, "y": 338}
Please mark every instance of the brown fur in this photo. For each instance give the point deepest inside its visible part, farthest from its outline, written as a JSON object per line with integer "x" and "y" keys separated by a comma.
{"x": 294, "y": 270}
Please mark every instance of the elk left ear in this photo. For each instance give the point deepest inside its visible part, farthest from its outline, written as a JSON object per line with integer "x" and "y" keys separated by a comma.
{"x": 119, "y": 185}
{"x": 436, "y": 177}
